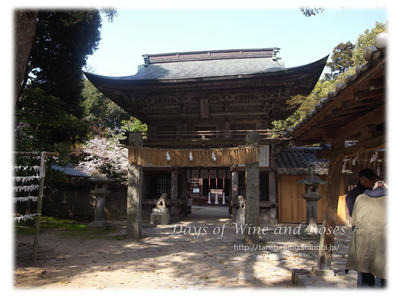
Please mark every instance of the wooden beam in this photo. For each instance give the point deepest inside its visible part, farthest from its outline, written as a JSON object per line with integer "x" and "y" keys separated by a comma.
{"x": 355, "y": 110}
{"x": 320, "y": 132}
{"x": 373, "y": 73}
{"x": 378, "y": 83}
{"x": 346, "y": 105}
{"x": 368, "y": 94}
{"x": 373, "y": 117}
{"x": 368, "y": 145}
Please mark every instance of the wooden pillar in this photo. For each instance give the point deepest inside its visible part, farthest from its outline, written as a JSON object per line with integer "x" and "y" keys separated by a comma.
{"x": 330, "y": 213}
{"x": 234, "y": 192}
{"x": 252, "y": 177}
{"x": 135, "y": 191}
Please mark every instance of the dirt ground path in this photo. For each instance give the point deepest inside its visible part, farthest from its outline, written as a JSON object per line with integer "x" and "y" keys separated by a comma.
{"x": 168, "y": 257}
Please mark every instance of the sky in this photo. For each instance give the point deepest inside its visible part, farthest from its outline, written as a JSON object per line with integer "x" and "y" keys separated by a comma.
{"x": 302, "y": 40}
{"x": 147, "y": 26}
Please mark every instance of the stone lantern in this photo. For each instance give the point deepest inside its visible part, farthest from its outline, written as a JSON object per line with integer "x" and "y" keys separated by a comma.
{"x": 100, "y": 193}
{"x": 312, "y": 195}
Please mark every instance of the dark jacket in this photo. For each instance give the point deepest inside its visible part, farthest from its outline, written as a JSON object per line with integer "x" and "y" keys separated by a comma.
{"x": 352, "y": 196}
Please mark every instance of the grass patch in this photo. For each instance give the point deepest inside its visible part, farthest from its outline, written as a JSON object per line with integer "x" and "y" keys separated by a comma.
{"x": 89, "y": 233}
{"x": 66, "y": 228}
{"x": 24, "y": 229}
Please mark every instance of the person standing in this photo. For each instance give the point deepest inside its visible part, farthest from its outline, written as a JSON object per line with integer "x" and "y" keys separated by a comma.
{"x": 367, "y": 252}
{"x": 366, "y": 180}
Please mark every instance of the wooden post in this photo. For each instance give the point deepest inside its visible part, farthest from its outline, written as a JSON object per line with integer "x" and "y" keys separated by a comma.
{"x": 42, "y": 174}
{"x": 252, "y": 176}
{"x": 330, "y": 213}
{"x": 234, "y": 193}
{"x": 135, "y": 191}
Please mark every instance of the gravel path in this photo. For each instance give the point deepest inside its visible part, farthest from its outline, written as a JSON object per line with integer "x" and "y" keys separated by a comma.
{"x": 203, "y": 251}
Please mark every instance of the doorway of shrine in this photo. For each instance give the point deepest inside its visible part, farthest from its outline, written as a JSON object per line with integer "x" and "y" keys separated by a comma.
{"x": 209, "y": 186}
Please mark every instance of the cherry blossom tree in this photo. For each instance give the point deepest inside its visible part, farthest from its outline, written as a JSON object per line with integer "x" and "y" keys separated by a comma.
{"x": 106, "y": 155}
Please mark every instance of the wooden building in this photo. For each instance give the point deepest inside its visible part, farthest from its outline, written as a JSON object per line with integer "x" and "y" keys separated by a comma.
{"x": 292, "y": 166}
{"x": 207, "y": 100}
{"x": 351, "y": 122}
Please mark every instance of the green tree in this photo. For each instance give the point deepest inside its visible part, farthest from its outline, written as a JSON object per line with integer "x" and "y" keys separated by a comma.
{"x": 49, "y": 112}
{"x": 308, "y": 11}
{"x": 43, "y": 124}
{"x": 365, "y": 40}
{"x": 341, "y": 60}
{"x": 304, "y": 104}
{"x": 133, "y": 124}
{"x": 63, "y": 41}
{"x": 100, "y": 111}
{"x": 321, "y": 90}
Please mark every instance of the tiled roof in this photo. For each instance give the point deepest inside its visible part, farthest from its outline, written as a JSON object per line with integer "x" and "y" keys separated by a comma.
{"x": 206, "y": 68}
{"x": 372, "y": 54}
{"x": 69, "y": 171}
{"x": 295, "y": 161}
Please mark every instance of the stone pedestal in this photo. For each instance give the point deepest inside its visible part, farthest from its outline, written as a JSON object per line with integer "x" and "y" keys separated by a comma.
{"x": 312, "y": 227}
{"x": 100, "y": 192}
{"x": 160, "y": 214}
{"x": 268, "y": 216}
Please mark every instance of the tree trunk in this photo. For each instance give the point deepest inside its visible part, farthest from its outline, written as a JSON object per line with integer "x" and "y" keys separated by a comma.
{"x": 25, "y": 31}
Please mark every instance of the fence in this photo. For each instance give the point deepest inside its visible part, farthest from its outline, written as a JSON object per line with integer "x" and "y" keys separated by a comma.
{"x": 30, "y": 173}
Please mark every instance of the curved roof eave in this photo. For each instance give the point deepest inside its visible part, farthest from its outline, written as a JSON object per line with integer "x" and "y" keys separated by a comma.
{"x": 129, "y": 80}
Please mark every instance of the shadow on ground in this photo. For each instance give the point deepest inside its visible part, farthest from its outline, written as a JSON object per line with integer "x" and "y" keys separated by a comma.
{"x": 190, "y": 254}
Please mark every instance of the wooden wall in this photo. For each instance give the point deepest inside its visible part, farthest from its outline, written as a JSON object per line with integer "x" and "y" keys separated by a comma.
{"x": 292, "y": 206}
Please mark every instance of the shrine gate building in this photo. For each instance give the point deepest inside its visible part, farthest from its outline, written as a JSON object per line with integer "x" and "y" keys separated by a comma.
{"x": 210, "y": 100}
